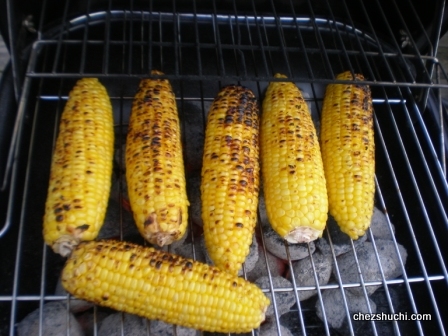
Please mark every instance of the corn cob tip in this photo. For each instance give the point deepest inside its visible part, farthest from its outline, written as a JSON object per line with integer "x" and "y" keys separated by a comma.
{"x": 65, "y": 244}
{"x": 303, "y": 234}
{"x": 279, "y": 75}
{"x": 157, "y": 72}
{"x": 154, "y": 233}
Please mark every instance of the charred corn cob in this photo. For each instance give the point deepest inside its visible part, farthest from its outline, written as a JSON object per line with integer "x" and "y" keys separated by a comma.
{"x": 348, "y": 152}
{"x": 159, "y": 285}
{"x": 154, "y": 164}
{"x": 81, "y": 168}
{"x": 293, "y": 176}
{"x": 230, "y": 177}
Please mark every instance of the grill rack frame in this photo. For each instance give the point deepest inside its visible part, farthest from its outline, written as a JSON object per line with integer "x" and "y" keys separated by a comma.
{"x": 405, "y": 97}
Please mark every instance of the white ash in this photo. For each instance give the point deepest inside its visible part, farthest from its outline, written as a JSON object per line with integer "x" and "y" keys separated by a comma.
{"x": 75, "y": 305}
{"x": 305, "y": 275}
{"x": 132, "y": 325}
{"x": 275, "y": 264}
{"x": 276, "y": 244}
{"x": 166, "y": 329}
{"x": 193, "y": 125}
{"x": 115, "y": 215}
{"x": 334, "y": 306}
{"x": 194, "y": 197}
{"x": 283, "y": 300}
{"x": 249, "y": 262}
{"x": 379, "y": 227}
{"x": 368, "y": 264}
{"x": 341, "y": 242}
{"x": 54, "y": 322}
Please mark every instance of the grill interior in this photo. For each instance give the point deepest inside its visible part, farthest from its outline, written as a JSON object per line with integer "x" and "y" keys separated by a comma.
{"x": 202, "y": 49}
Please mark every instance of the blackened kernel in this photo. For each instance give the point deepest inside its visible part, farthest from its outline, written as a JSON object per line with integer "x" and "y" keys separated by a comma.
{"x": 59, "y": 218}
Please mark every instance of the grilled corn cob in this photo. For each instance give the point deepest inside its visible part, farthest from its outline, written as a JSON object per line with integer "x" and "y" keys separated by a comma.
{"x": 81, "y": 168}
{"x": 154, "y": 164}
{"x": 293, "y": 176}
{"x": 158, "y": 285}
{"x": 348, "y": 152}
{"x": 230, "y": 177}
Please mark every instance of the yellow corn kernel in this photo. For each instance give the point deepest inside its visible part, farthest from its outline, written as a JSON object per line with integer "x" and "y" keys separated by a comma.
{"x": 158, "y": 285}
{"x": 230, "y": 177}
{"x": 154, "y": 164}
{"x": 348, "y": 152}
{"x": 293, "y": 175}
{"x": 81, "y": 168}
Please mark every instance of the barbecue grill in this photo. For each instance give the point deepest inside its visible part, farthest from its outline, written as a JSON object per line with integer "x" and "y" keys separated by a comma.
{"x": 200, "y": 47}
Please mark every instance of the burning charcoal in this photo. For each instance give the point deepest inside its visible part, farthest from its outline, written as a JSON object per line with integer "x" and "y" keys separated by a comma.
{"x": 111, "y": 227}
{"x": 165, "y": 329}
{"x": 276, "y": 244}
{"x": 193, "y": 119}
{"x": 194, "y": 197}
{"x": 379, "y": 227}
{"x": 54, "y": 322}
{"x": 369, "y": 265}
{"x": 283, "y": 300}
{"x": 304, "y": 274}
{"x": 276, "y": 266}
{"x": 250, "y": 261}
{"x": 340, "y": 240}
{"x": 334, "y": 306}
{"x": 132, "y": 325}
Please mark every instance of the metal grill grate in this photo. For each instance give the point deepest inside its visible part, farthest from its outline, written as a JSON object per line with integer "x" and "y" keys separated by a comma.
{"x": 200, "y": 50}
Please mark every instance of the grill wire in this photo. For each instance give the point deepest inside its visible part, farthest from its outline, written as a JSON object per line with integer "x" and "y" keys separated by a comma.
{"x": 201, "y": 51}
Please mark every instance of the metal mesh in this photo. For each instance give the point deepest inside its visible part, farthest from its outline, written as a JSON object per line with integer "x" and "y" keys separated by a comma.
{"x": 200, "y": 50}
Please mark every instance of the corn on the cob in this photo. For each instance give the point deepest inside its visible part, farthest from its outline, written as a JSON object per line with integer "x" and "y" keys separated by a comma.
{"x": 154, "y": 164}
{"x": 348, "y": 152}
{"x": 158, "y": 285}
{"x": 81, "y": 168}
{"x": 230, "y": 177}
{"x": 293, "y": 176}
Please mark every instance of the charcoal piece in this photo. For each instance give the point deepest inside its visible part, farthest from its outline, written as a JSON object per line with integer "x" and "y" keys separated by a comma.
{"x": 54, "y": 322}
{"x": 276, "y": 266}
{"x": 341, "y": 242}
{"x": 166, "y": 329}
{"x": 250, "y": 261}
{"x": 91, "y": 320}
{"x": 379, "y": 226}
{"x": 186, "y": 251}
{"x": 193, "y": 121}
{"x": 283, "y": 300}
{"x": 369, "y": 265}
{"x": 132, "y": 325}
{"x": 111, "y": 227}
{"x": 194, "y": 197}
{"x": 76, "y": 305}
{"x": 276, "y": 244}
{"x": 305, "y": 275}
{"x": 270, "y": 328}
{"x": 335, "y": 312}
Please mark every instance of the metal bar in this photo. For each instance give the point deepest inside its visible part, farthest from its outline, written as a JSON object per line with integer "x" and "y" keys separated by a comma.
{"x": 84, "y": 40}
{"x": 13, "y": 45}
{"x": 403, "y": 205}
